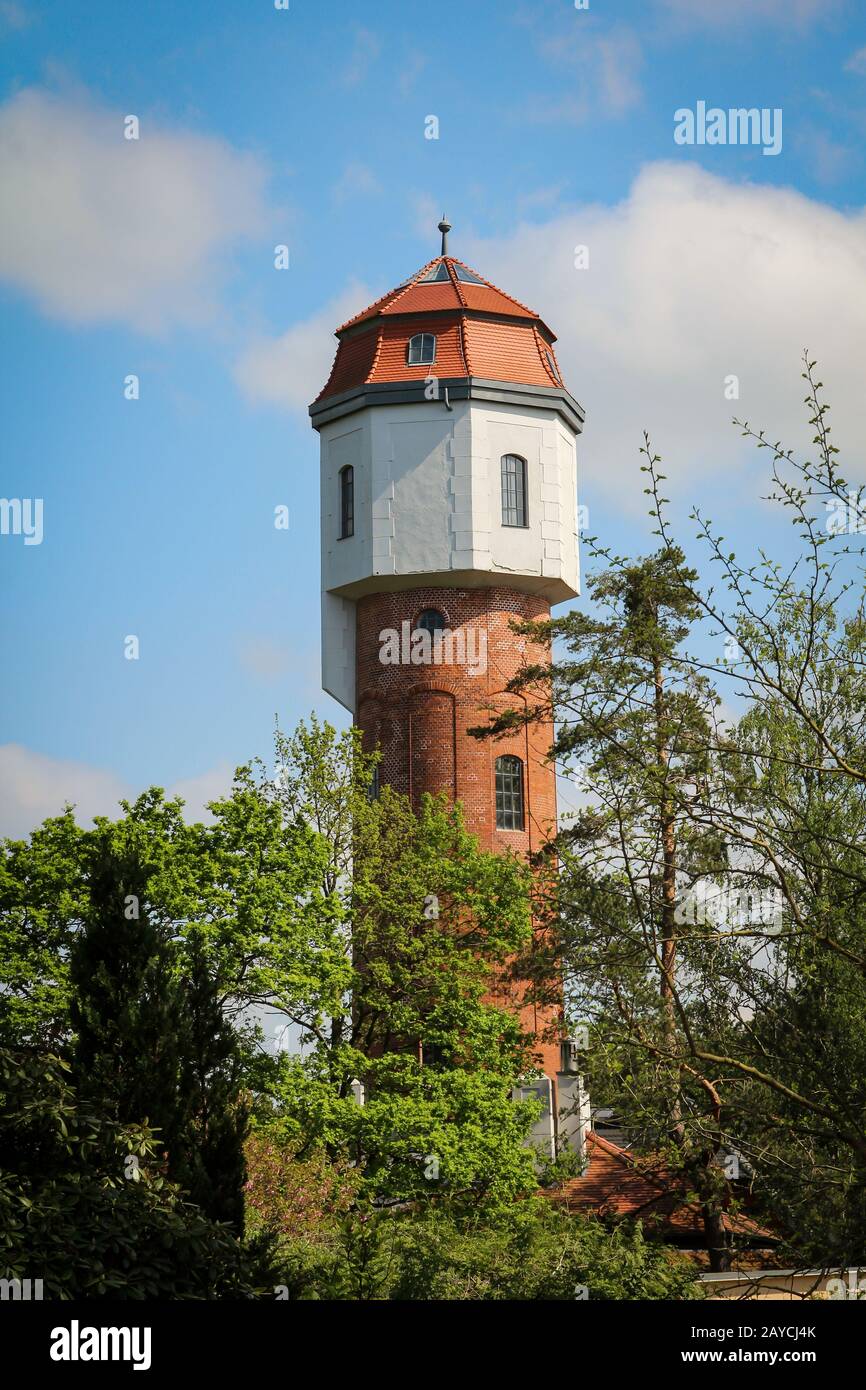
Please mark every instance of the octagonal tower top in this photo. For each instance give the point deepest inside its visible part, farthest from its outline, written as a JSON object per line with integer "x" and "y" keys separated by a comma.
{"x": 448, "y": 324}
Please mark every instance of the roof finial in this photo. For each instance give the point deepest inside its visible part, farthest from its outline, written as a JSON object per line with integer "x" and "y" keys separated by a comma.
{"x": 445, "y": 228}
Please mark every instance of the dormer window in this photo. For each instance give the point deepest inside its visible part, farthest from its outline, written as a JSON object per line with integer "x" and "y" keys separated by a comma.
{"x": 466, "y": 275}
{"x": 552, "y": 365}
{"x": 437, "y": 274}
{"x": 422, "y": 350}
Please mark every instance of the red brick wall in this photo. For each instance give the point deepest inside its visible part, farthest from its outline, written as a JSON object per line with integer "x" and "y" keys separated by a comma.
{"x": 419, "y": 715}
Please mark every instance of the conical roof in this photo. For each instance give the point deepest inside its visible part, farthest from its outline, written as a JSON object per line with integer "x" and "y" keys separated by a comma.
{"x": 445, "y": 283}
{"x": 480, "y": 331}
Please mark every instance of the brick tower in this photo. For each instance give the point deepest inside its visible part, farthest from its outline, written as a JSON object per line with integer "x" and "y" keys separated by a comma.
{"x": 449, "y": 509}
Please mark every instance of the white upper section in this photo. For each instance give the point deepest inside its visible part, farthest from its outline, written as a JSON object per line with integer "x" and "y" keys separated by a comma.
{"x": 427, "y": 490}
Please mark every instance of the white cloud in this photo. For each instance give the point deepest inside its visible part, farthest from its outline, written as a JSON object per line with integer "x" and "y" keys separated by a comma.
{"x": 543, "y": 197}
{"x": 196, "y": 792}
{"x": 410, "y": 70}
{"x": 857, "y": 62}
{"x": 693, "y": 278}
{"x": 828, "y": 160}
{"x": 365, "y": 50}
{"x": 571, "y": 109}
{"x": 101, "y": 228}
{"x": 620, "y": 60}
{"x": 291, "y": 370}
{"x": 356, "y": 181}
{"x": 33, "y": 787}
{"x": 424, "y": 213}
{"x": 724, "y": 14}
{"x": 13, "y": 16}
{"x": 604, "y": 68}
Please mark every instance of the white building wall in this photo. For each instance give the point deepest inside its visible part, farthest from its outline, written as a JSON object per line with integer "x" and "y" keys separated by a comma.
{"x": 428, "y": 509}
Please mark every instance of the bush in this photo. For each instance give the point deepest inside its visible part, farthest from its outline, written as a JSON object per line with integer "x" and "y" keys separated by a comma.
{"x": 90, "y": 1227}
{"x": 531, "y": 1252}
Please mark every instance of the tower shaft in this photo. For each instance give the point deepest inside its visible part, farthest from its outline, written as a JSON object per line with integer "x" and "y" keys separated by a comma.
{"x": 419, "y": 715}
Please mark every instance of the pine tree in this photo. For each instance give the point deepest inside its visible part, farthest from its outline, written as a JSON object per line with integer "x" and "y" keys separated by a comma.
{"x": 210, "y": 1160}
{"x": 125, "y": 1008}
{"x": 152, "y": 1043}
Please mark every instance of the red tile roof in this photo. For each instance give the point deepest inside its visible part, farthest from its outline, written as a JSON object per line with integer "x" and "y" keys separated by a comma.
{"x": 413, "y": 297}
{"x": 619, "y": 1184}
{"x": 480, "y": 331}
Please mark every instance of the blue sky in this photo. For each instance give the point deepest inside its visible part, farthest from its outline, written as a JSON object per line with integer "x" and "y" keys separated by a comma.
{"x": 306, "y": 127}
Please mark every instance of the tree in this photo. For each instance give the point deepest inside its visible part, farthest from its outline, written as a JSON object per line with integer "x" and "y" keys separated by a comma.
{"x": 536, "y": 1252}
{"x": 85, "y": 1207}
{"x": 391, "y": 994}
{"x": 151, "y": 1042}
{"x": 636, "y": 727}
{"x": 212, "y": 1116}
{"x": 41, "y": 893}
{"x": 791, "y": 813}
{"x": 527, "y": 1251}
{"x": 125, "y": 1006}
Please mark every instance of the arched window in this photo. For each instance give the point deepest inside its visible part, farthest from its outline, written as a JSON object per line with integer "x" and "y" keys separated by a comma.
{"x": 509, "y": 793}
{"x": 347, "y": 502}
{"x": 514, "y": 490}
{"x": 430, "y": 620}
{"x": 421, "y": 350}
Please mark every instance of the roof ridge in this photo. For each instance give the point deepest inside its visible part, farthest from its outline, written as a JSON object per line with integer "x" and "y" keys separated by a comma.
{"x": 374, "y": 363}
{"x": 490, "y": 285}
{"x": 450, "y": 262}
{"x": 392, "y": 294}
{"x": 542, "y": 349}
{"x": 607, "y": 1147}
{"x": 464, "y": 346}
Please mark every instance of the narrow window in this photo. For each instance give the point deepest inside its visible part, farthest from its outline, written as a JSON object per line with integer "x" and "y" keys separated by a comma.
{"x": 375, "y": 787}
{"x": 509, "y": 793}
{"x": 347, "y": 502}
{"x": 513, "y": 491}
{"x": 422, "y": 350}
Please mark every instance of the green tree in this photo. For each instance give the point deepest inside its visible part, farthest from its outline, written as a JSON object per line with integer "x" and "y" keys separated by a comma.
{"x": 125, "y": 1006}
{"x": 86, "y": 1208}
{"x": 392, "y": 995}
{"x": 208, "y": 1160}
{"x": 528, "y": 1251}
{"x": 42, "y": 892}
{"x": 782, "y": 990}
{"x": 151, "y": 1041}
{"x": 637, "y": 729}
